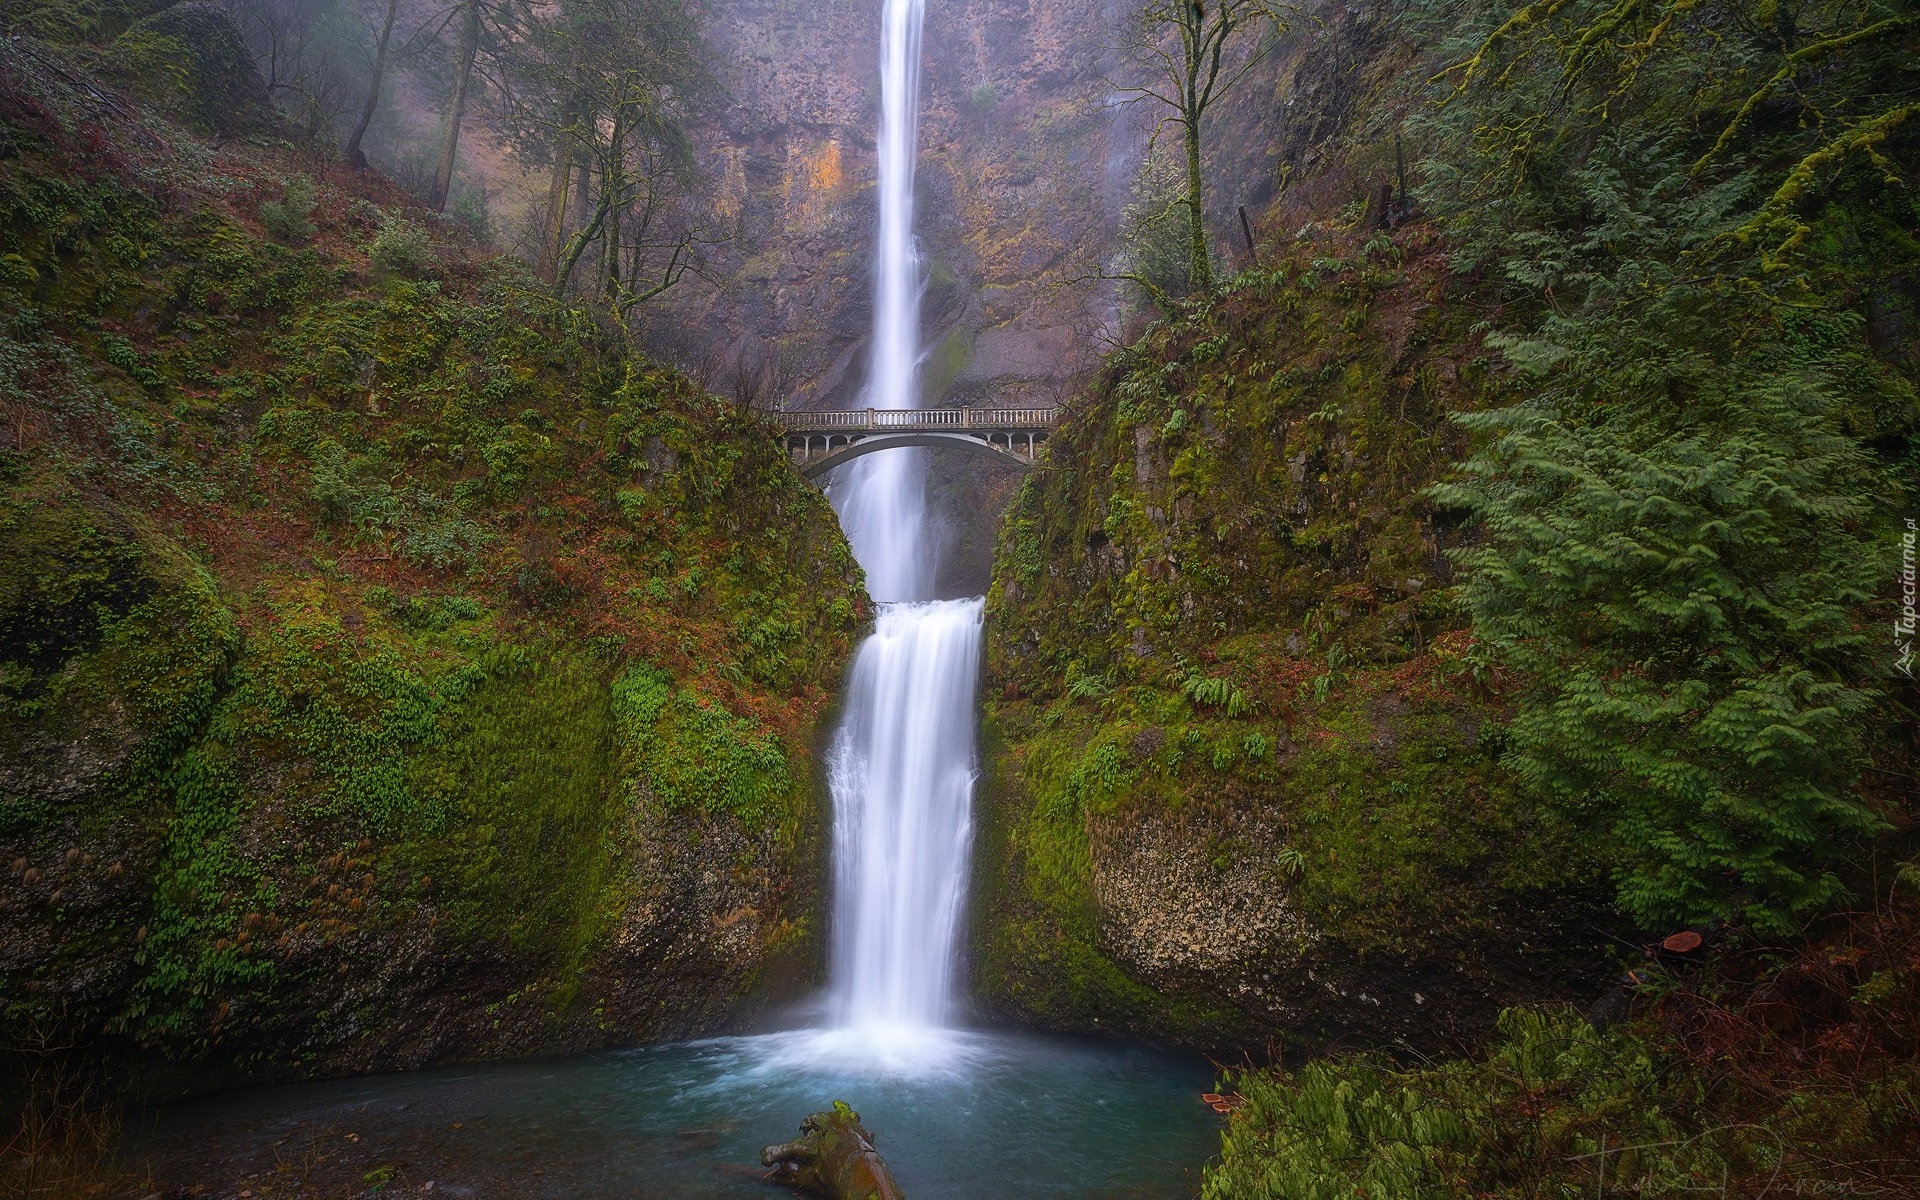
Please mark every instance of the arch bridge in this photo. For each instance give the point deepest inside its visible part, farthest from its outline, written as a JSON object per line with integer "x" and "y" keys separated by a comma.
{"x": 821, "y": 441}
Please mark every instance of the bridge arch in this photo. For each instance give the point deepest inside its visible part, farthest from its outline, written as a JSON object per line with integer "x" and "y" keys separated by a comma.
{"x": 860, "y": 446}
{"x": 820, "y": 441}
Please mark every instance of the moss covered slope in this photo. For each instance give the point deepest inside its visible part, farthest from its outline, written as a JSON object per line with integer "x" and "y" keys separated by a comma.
{"x": 394, "y": 669}
{"x": 1245, "y": 784}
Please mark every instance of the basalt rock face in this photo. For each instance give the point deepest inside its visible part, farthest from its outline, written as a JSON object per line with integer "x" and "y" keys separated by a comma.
{"x": 1027, "y": 162}
{"x": 1013, "y": 188}
{"x": 391, "y": 671}
{"x": 1245, "y": 788}
{"x": 1235, "y": 503}
{"x": 1028, "y": 156}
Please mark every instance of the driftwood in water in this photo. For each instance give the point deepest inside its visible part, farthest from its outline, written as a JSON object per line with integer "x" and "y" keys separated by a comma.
{"x": 833, "y": 1158}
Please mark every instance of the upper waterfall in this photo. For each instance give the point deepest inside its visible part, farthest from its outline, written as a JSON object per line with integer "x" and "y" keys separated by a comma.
{"x": 882, "y": 499}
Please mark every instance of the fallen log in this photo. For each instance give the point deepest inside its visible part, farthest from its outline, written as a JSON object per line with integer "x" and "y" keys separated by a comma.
{"x": 832, "y": 1159}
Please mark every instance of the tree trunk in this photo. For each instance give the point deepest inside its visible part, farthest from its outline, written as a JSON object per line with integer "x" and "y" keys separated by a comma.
{"x": 373, "y": 89}
{"x": 610, "y": 261}
{"x": 576, "y": 245}
{"x": 613, "y": 186}
{"x": 582, "y": 187}
{"x": 457, "y": 108}
{"x": 565, "y": 150}
{"x": 1200, "y": 266}
{"x": 557, "y": 210}
{"x": 566, "y": 146}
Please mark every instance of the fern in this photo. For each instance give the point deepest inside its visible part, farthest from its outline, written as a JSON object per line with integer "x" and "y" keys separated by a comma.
{"x": 1680, "y": 596}
{"x": 289, "y": 218}
{"x": 1679, "y": 517}
{"x": 1088, "y": 687}
{"x": 1216, "y": 692}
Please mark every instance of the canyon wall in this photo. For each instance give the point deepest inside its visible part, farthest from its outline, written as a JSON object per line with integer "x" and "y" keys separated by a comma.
{"x": 1022, "y": 171}
{"x": 395, "y": 669}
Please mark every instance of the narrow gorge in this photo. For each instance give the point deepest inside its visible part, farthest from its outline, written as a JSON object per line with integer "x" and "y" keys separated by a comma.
{"x": 1354, "y": 637}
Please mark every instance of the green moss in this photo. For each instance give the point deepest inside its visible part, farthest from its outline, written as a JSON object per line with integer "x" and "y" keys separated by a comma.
{"x": 524, "y": 849}
{"x": 946, "y": 363}
{"x": 693, "y": 753}
{"x": 204, "y": 890}
{"x": 1035, "y": 938}
{"x": 1406, "y": 824}
{"x": 110, "y": 629}
{"x": 118, "y": 647}
{"x": 407, "y": 521}
{"x": 1226, "y": 595}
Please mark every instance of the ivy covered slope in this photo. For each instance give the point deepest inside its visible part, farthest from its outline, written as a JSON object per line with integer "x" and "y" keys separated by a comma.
{"x": 1245, "y": 782}
{"x": 1384, "y": 624}
{"x": 394, "y": 670}
{"x": 1689, "y": 511}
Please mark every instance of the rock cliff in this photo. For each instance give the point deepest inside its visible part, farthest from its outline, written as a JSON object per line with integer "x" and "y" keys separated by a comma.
{"x": 1017, "y": 188}
{"x": 1244, "y": 789}
{"x": 394, "y": 671}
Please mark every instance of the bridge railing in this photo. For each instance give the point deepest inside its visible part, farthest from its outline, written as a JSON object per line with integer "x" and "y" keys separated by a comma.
{"x": 900, "y": 419}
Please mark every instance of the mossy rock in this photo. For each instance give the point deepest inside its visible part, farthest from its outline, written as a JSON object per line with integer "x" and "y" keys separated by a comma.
{"x": 1246, "y": 785}
{"x": 191, "y": 62}
{"x": 321, "y": 579}
{"x": 117, "y": 647}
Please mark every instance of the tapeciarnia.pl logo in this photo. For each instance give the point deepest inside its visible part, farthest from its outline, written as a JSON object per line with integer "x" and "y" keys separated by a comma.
{"x": 1903, "y": 624}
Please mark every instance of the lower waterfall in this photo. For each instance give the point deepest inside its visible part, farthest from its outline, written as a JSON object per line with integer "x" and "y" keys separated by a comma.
{"x": 902, "y": 774}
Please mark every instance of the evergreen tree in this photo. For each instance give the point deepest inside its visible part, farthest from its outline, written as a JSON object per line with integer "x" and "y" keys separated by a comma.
{"x": 1683, "y": 519}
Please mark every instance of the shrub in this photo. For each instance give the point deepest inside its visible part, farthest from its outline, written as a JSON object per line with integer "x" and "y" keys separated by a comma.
{"x": 290, "y": 218}
{"x": 401, "y": 246}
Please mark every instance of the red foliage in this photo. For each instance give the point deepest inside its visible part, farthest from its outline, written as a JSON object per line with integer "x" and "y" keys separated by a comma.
{"x": 1767, "y": 1026}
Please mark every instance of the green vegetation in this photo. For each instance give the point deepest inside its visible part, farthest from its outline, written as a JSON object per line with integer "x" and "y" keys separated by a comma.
{"x": 1221, "y": 616}
{"x": 338, "y": 561}
{"x": 1775, "y": 1072}
{"x": 1687, "y": 507}
{"x": 1418, "y": 593}
{"x": 1434, "y": 574}
{"x": 694, "y": 753}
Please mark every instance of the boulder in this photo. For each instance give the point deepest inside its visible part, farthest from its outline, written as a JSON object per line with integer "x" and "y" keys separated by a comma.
{"x": 190, "y": 61}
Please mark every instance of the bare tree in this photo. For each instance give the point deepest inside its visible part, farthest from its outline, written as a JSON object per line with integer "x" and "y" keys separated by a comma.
{"x": 303, "y": 49}
{"x": 465, "y": 52}
{"x": 786, "y": 366}
{"x": 765, "y": 374}
{"x": 1184, "y": 46}
{"x": 749, "y": 376}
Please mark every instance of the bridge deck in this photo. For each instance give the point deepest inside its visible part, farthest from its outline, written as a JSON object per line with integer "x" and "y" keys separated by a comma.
{"x": 904, "y": 420}
{"x": 821, "y": 441}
